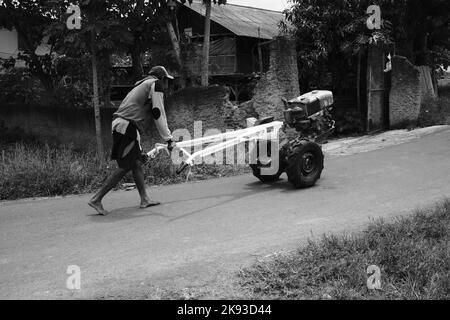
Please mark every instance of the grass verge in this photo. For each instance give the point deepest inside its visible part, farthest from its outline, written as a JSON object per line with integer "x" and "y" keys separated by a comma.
{"x": 36, "y": 170}
{"x": 413, "y": 254}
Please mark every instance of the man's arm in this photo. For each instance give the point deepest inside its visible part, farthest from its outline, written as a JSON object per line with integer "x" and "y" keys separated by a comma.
{"x": 158, "y": 112}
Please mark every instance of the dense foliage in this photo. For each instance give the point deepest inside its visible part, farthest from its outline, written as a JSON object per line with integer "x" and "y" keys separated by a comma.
{"x": 330, "y": 33}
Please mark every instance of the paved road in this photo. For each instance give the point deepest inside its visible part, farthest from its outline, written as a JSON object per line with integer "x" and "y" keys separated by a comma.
{"x": 206, "y": 229}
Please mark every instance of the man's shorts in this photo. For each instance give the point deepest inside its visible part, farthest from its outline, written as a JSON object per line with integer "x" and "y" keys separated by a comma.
{"x": 126, "y": 148}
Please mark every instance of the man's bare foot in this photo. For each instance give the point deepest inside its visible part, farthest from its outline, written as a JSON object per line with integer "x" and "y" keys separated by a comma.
{"x": 98, "y": 207}
{"x": 148, "y": 203}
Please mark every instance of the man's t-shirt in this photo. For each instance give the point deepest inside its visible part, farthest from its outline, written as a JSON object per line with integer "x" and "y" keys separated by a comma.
{"x": 135, "y": 108}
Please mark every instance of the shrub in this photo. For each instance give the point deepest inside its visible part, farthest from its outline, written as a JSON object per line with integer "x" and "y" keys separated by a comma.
{"x": 434, "y": 111}
{"x": 72, "y": 96}
{"x": 18, "y": 86}
{"x": 13, "y": 135}
{"x": 348, "y": 122}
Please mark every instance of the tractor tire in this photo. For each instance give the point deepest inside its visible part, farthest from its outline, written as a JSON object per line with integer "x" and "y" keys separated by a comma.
{"x": 304, "y": 164}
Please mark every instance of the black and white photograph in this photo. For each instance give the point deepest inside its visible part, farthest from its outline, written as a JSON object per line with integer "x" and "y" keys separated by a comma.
{"x": 225, "y": 156}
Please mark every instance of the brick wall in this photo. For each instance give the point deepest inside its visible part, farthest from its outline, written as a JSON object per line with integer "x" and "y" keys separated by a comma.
{"x": 281, "y": 80}
{"x": 76, "y": 126}
{"x": 208, "y": 105}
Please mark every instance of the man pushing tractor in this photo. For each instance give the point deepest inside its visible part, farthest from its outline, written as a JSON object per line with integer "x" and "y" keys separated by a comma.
{"x": 300, "y": 156}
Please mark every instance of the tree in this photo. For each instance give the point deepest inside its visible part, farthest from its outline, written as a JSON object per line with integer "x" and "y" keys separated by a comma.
{"x": 29, "y": 19}
{"x": 168, "y": 14}
{"x": 139, "y": 18}
{"x": 329, "y": 32}
{"x": 421, "y": 28}
{"x": 101, "y": 32}
{"x": 150, "y": 23}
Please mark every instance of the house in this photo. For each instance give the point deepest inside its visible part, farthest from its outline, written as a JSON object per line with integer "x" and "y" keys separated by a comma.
{"x": 10, "y": 46}
{"x": 239, "y": 35}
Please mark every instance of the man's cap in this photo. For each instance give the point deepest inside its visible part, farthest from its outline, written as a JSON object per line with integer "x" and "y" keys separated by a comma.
{"x": 160, "y": 72}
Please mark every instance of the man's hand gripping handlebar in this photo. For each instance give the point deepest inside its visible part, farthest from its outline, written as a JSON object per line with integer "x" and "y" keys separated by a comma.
{"x": 168, "y": 148}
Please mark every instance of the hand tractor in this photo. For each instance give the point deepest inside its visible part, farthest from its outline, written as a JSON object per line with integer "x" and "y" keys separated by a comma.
{"x": 307, "y": 123}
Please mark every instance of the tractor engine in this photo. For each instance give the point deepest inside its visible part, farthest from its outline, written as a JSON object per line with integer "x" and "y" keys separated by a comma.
{"x": 309, "y": 114}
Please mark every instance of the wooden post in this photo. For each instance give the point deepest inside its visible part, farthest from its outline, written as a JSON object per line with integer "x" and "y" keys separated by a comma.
{"x": 369, "y": 88}
{"x": 260, "y": 51}
{"x": 358, "y": 82}
{"x": 205, "y": 62}
{"x": 260, "y": 58}
{"x": 236, "y": 50}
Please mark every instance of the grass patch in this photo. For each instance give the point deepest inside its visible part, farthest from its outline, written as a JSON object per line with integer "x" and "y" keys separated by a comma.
{"x": 39, "y": 170}
{"x": 413, "y": 254}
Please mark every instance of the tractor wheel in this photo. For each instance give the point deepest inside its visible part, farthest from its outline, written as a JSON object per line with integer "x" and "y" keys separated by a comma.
{"x": 305, "y": 164}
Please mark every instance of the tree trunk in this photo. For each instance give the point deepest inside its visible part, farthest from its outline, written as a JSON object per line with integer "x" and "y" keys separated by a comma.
{"x": 205, "y": 62}
{"x": 136, "y": 48}
{"x": 107, "y": 80}
{"x": 175, "y": 43}
{"x": 177, "y": 27}
{"x": 137, "y": 68}
{"x": 98, "y": 128}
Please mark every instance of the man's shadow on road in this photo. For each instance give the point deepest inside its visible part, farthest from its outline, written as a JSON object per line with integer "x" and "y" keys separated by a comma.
{"x": 251, "y": 189}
